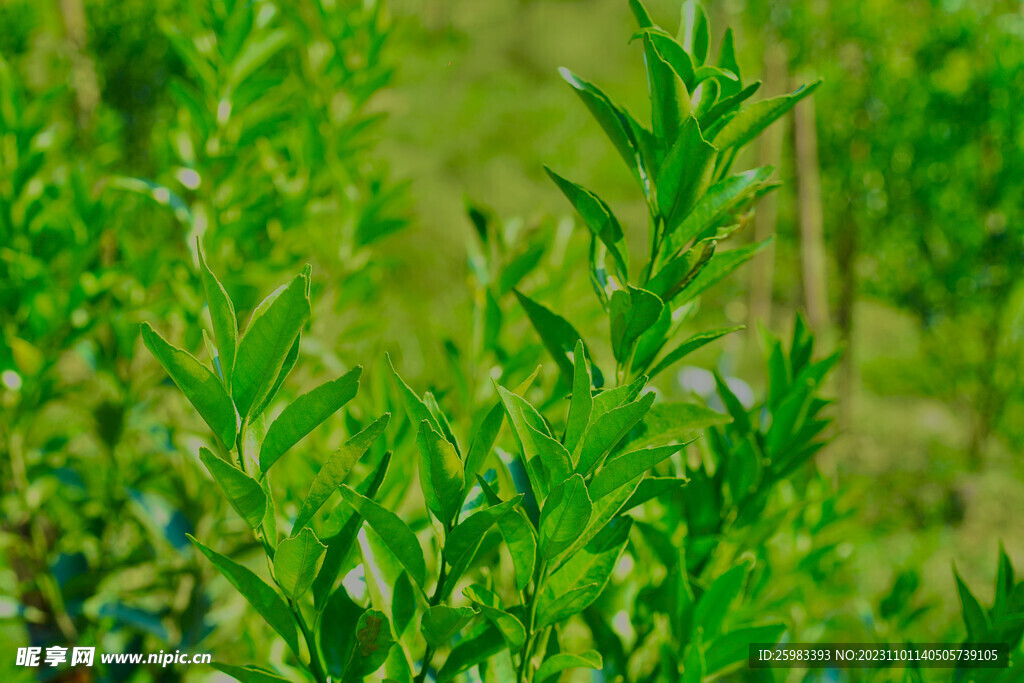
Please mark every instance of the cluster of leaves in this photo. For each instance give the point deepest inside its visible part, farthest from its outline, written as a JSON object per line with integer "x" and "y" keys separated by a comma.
{"x": 563, "y": 499}
{"x": 93, "y": 529}
{"x": 1002, "y": 623}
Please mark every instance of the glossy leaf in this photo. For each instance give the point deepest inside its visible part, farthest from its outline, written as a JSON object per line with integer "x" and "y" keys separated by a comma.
{"x": 262, "y": 597}
{"x": 633, "y": 311}
{"x": 565, "y": 514}
{"x": 441, "y": 623}
{"x": 200, "y": 386}
{"x": 685, "y": 174}
{"x": 305, "y": 414}
{"x": 690, "y": 345}
{"x": 582, "y": 402}
{"x": 222, "y": 314}
{"x": 482, "y": 643}
{"x": 559, "y": 337}
{"x": 337, "y": 468}
{"x": 609, "y": 430}
{"x": 490, "y": 606}
{"x": 519, "y": 535}
{"x": 749, "y": 122}
{"x": 598, "y": 217}
{"x": 297, "y": 561}
{"x": 624, "y": 468}
{"x": 243, "y": 492}
{"x": 397, "y": 536}
{"x": 441, "y": 474}
{"x": 266, "y": 343}
{"x": 465, "y": 539}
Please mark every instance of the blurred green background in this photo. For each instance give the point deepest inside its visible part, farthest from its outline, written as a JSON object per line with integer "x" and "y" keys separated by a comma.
{"x": 350, "y": 135}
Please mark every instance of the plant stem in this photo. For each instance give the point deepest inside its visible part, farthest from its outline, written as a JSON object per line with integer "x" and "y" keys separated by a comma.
{"x": 525, "y": 674}
{"x": 435, "y": 600}
{"x": 315, "y": 666}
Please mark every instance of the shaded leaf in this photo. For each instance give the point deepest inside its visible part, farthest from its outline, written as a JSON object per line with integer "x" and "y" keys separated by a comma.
{"x": 297, "y": 561}
{"x": 243, "y": 492}
{"x": 565, "y": 514}
{"x": 397, "y": 536}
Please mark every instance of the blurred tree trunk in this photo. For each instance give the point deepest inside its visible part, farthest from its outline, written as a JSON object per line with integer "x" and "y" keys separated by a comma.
{"x": 812, "y": 233}
{"x": 846, "y": 261}
{"x": 762, "y": 268}
{"x": 84, "y": 83}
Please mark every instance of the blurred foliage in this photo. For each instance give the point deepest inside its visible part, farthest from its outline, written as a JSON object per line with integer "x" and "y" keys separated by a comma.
{"x": 270, "y": 132}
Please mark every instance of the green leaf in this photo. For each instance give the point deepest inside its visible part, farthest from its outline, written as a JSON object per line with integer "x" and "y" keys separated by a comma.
{"x": 598, "y": 217}
{"x": 721, "y": 265}
{"x": 558, "y": 336}
{"x": 748, "y": 123}
{"x": 585, "y": 573}
{"x": 258, "y": 50}
{"x": 669, "y": 95}
{"x": 464, "y": 540}
{"x": 553, "y": 666}
{"x": 441, "y": 474}
{"x": 555, "y": 458}
{"x": 676, "y": 421}
{"x": 490, "y": 605}
{"x": 633, "y": 311}
{"x": 289, "y": 363}
{"x": 520, "y": 538}
{"x": 672, "y": 52}
{"x": 974, "y": 616}
{"x": 305, "y": 414}
{"x": 249, "y": 674}
{"x": 262, "y": 597}
{"x": 681, "y": 270}
{"x": 694, "y": 32}
{"x": 479, "y": 645}
{"x": 529, "y": 427}
{"x": 565, "y": 514}
{"x": 643, "y": 17}
{"x": 689, "y": 346}
{"x": 718, "y": 202}
{"x": 483, "y": 442}
{"x": 297, "y": 561}
{"x": 337, "y": 468}
{"x": 727, "y": 61}
{"x": 685, "y": 174}
{"x": 582, "y": 402}
{"x": 222, "y": 314}
{"x": 200, "y": 386}
{"x": 340, "y": 544}
{"x": 734, "y": 646}
{"x": 265, "y": 345}
{"x": 398, "y": 538}
{"x": 715, "y": 603}
{"x": 373, "y": 644}
{"x": 653, "y": 487}
{"x": 441, "y": 623}
{"x": 609, "y": 430}
{"x": 243, "y": 492}
{"x": 624, "y": 468}
{"x": 338, "y": 631}
{"x": 612, "y": 120}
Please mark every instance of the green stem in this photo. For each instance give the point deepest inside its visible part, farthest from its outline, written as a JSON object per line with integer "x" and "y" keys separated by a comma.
{"x": 315, "y": 666}
{"x": 525, "y": 673}
{"x": 435, "y": 600}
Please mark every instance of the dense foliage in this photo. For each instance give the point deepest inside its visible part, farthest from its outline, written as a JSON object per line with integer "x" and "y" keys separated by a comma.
{"x": 571, "y": 464}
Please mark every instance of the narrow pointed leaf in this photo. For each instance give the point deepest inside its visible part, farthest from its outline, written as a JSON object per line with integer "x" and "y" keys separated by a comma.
{"x": 582, "y": 402}
{"x": 609, "y": 430}
{"x": 622, "y": 469}
{"x": 686, "y": 174}
{"x": 262, "y": 597}
{"x": 397, "y": 536}
{"x": 689, "y": 346}
{"x": 974, "y": 616}
{"x": 243, "y": 492}
{"x": 441, "y": 474}
{"x": 200, "y": 386}
{"x": 564, "y": 515}
{"x": 721, "y": 265}
{"x": 483, "y": 442}
{"x": 519, "y": 536}
{"x": 559, "y": 337}
{"x": 465, "y": 539}
{"x": 222, "y": 314}
{"x": 337, "y": 468}
{"x": 598, "y": 217}
{"x": 266, "y": 343}
{"x": 749, "y": 122}
{"x": 305, "y": 414}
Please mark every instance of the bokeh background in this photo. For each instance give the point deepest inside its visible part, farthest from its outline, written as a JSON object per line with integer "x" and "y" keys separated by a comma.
{"x": 351, "y": 135}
